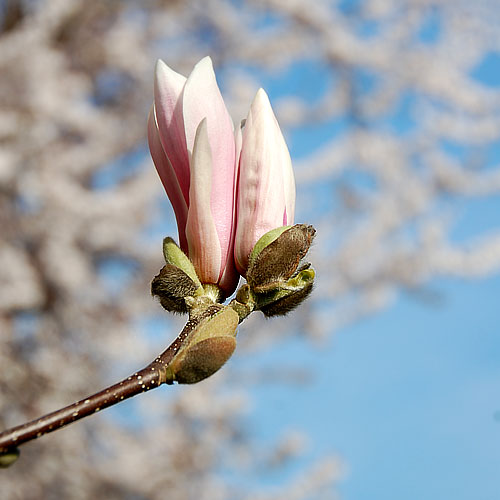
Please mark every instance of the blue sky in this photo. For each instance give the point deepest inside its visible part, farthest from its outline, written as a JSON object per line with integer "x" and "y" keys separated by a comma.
{"x": 410, "y": 397}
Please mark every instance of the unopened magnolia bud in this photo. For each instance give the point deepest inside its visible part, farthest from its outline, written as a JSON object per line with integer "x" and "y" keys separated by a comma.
{"x": 266, "y": 186}
{"x": 191, "y": 139}
{"x": 277, "y": 255}
{"x": 206, "y": 349}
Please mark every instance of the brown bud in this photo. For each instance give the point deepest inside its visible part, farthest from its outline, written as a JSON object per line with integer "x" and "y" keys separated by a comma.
{"x": 279, "y": 261}
{"x": 287, "y": 303}
{"x": 171, "y": 286}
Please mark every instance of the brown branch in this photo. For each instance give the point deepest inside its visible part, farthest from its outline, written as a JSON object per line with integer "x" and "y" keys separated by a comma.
{"x": 148, "y": 378}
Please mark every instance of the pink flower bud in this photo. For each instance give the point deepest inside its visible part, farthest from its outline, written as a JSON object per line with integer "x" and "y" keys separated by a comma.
{"x": 192, "y": 144}
{"x": 266, "y": 186}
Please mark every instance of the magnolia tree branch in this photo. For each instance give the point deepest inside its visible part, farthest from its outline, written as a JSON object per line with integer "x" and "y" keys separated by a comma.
{"x": 153, "y": 375}
{"x": 278, "y": 281}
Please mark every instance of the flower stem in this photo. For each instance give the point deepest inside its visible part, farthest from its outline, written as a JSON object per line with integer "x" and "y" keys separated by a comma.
{"x": 151, "y": 376}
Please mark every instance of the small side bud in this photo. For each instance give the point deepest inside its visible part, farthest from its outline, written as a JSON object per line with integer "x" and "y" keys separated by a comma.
{"x": 207, "y": 348}
{"x": 244, "y": 302}
{"x": 288, "y": 300}
{"x": 177, "y": 280}
{"x": 244, "y": 295}
{"x": 172, "y": 286}
{"x": 7, "y": 458}
{"x": 275, "y": 262}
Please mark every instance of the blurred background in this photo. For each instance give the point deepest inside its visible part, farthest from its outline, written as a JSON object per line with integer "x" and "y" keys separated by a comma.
{"x": 386, "y": 383}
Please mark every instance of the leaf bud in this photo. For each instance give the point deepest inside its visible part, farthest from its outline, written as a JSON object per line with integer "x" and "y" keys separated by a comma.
{"x": 172, "y": 285}
{"x": 206, "y": 349}
{"x": 277, "y": 255}
{"x": 290, "y": 296}
{"x": 8, "y": 457}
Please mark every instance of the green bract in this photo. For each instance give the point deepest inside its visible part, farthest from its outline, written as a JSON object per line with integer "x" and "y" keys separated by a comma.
{"x": 175, "y": 256}
{"x": 206, "y": 349}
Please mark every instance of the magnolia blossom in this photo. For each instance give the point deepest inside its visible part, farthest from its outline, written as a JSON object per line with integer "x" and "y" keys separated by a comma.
{"x": 193, "y": 147}
{"x": 192, "y": 144}
{"x": 266, "y": 185}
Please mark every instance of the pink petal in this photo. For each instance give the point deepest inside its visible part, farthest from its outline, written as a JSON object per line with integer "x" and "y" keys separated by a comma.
{"x": 230, "y": 277}
{"x": 201, "y": 232}
{"x": 289, "y": 187}
{"x": 266, "y": 188}
{"x": 238, "y": 140}
{"x": 167, "y": 177}
{"x": 168, "y": 88}
{"x": 202, "y": 99}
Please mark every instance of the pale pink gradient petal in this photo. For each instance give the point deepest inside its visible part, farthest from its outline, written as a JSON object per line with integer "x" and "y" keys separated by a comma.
{"x": 230, "y": 276}
{"x": 238, "y": 141}
{"x": 167, "y": 177}
{"x": 266, "y": 190}
{"x": 201, "y": 233}
{"x": 202, "y": 99}
{"x": 289, "y": 187}
{"x": 168, "y": 88}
